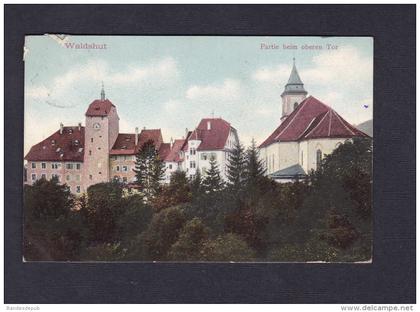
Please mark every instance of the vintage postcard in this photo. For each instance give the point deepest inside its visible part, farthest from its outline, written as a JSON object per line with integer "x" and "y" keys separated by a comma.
{"x": 198, "y": 148}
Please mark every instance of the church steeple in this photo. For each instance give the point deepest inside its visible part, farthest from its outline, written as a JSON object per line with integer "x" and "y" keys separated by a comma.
{"x": 102, "y": 92}
{"x": 294, "y": 92}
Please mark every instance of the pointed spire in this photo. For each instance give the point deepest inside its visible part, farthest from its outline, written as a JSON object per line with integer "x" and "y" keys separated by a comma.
{"x": 294, "y": 76}
{"x": 103, "y": 92}
{"x": 294, "y": 84}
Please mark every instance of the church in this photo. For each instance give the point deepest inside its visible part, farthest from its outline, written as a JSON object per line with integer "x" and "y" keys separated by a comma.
{"x": 309, "y": 129}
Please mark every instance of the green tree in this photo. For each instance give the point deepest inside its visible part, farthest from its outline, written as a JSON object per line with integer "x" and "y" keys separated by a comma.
{"x": 190, "y": 242}
{"x": 228, "y": 247}
{"x": 177, "y": 192}
{"x": 236, "y": 167}
{"x": 103, "y": 210}
{"x": 196, "y": 183}
{"x": 162, "y": 233}
{"x": 212, "y": 182}
{"x": 149, "y": 169}
{"x": 53, "y": 230}
{"x": 254, "y": 168}
{"x": 134, "y": 218}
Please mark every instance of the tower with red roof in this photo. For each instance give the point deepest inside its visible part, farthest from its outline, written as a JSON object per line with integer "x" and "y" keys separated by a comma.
{"x": 101, "y": 132}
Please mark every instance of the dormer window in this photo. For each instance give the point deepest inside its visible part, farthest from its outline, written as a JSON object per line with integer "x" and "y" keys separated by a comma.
{"x": 58, "y": 150}
{"x": 70, "y": 131}
{"x": 76, "y": 142}
{"x": 52, "y": 142}
{"x": 123, "y": 147}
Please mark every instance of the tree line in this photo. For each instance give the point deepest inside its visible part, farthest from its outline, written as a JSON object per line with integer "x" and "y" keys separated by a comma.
{"x": 326, "y": 217}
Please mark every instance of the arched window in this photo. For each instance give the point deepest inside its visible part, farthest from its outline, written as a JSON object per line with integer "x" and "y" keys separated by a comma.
{"x": 295, "y": 105}
{"x": 318, "y": 159}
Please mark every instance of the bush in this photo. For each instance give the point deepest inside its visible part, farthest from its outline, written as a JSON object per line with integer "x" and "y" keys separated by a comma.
{"x": 228, "y": 247}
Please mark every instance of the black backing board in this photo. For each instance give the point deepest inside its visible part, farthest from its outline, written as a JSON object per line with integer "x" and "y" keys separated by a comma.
{"x": 391, "y": 276}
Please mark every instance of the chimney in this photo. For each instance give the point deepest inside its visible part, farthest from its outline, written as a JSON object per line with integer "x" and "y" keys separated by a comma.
{"x": 137, "y": 136}
{"x": 208, "y": 125}
{"x": 172, "y": 142}
{"x": 61, "y": 128}
{"x": 80, "y": 126}
{"x": 186, "y": 133}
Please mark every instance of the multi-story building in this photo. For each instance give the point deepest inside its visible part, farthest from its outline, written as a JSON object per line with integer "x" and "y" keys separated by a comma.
{"x": 82, "y": 156}
{"x": 213, "y": 138}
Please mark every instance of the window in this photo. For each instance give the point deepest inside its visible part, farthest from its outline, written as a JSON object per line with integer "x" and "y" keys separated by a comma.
{"x": 90, "y": 153}
{"x": 90, "y": 177}
{"x": 43, "y": 165}
{"x": 170, "y": 166}
{"x": 69, "y": 166}
{"x": 43, "y": 176}
{"x": 91, "y": 140}
{"x": 203, "y": 171}
{"x": 78, "y": 177}
{"x": 204, "y": 156}
{"x": 192, "y": 151}
{"x": 33, "y": 176}
{"x": 117, "y": 168}
{"x": 68, "y": 177}
{"x": 124, "y": 168}
{"x": 125, "y": 179}
{"x": 213, "y": 156}
{"x": 77, "y": 188}
{"x": 55, "y": 166}
{"x": 78, "y": 166}
{"x": 33, "y": 165}
{"x": 192, "y": 164}
{"x": 318, "y": 159}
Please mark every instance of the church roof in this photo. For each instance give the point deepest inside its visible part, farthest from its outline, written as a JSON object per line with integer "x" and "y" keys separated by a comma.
{"x": 310, "y": 120}
{"x": 294, "y": 84}
{"x": 289, "y": 172}
{"x": 65, "y": 146}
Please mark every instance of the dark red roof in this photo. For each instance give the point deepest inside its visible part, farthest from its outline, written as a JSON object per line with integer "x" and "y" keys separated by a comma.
{"x": 213, "y": 139}
{"x": 68, "y": 146}
{"x": 312, "y": 119}
{"x": 99, "y": 108}
{"x": 125, "y": 142}
{"x": 173, "y": 155}
{"x": 164, "y": 150}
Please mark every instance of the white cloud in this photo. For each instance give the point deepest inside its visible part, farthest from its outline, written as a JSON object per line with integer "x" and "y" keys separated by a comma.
{"x": 229, "y": 89}
{"x": 276, "y": 75}
{"x": 60, "y": 90}
{"x": 345, "y": 67}
{"x": 163, "y": 70}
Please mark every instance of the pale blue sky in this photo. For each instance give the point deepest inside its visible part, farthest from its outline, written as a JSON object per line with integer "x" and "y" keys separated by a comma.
{"x": 173, "y": 82}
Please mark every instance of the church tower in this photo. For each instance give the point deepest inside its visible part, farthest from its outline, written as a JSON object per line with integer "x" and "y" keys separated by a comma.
{"x": 293, "y": 93}
{"x": 101, "y": 132}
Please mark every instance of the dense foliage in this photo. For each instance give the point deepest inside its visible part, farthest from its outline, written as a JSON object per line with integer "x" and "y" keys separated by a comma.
{"x": 327, "y": 217}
